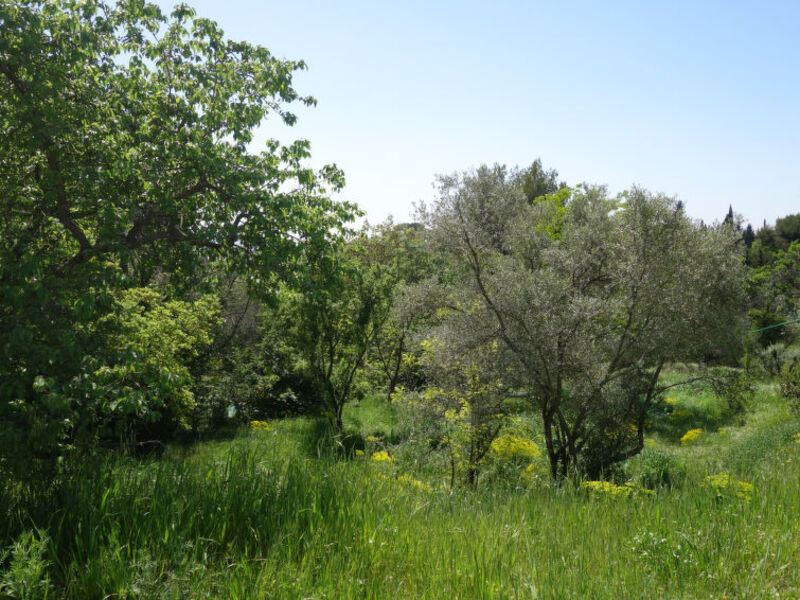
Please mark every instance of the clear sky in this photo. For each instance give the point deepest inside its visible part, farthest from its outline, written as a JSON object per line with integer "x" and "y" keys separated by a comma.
{"x": 699, "y": 100}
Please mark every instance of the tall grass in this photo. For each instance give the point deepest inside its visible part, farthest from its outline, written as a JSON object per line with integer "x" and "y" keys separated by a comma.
{"x": 273, "y": 515}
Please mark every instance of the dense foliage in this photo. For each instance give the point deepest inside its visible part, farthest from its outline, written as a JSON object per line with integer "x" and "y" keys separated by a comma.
{"x": 526, "y": 343}
{"x": 589, "y": 297}
{"x": 125, "y": 156}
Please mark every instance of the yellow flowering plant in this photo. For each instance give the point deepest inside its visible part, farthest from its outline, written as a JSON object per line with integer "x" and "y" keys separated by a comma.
{"x": 416, "y": 483}
{"x": 510, "y": 447}
{"x": 691, "y": 436}
{"x": 724, "y": 485}
{"x": 405, "y": 480}
{"x": 382, "y": 456}
{"x": 607, "y": 489}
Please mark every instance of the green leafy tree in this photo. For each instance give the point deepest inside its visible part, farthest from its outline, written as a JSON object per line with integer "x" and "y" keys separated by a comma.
{"x": 329, "y": 321}
{"x": 465, "y": 403}
{"x": 586, "y": 319}
{"x": 787, "y": 231}
{"x": 774, "y": 279}
{"x": 748, "y": 236}
{"x": 124, "y": 154}
{"x": 538, "y": 181}
{"x": 770, "y": 241}
{"x": 775, "y": 294}
{"x": 407, "y": 265}
{"x": 143, "y": 387}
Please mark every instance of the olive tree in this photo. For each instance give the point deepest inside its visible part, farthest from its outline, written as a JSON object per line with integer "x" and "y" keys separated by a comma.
{"x": 589, "y": 297}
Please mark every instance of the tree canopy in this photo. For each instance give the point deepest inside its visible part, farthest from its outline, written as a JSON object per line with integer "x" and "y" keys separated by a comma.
{"x": 589, "y": 296}
{"x": 125, "y": 153}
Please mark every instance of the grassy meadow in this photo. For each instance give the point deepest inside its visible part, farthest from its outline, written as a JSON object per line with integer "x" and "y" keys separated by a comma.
{"x": 284, "y": 510}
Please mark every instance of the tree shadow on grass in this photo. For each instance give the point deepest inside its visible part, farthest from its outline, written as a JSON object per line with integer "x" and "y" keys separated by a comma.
{"x": 319, "y": 438}
{"x": 672, "y": 422}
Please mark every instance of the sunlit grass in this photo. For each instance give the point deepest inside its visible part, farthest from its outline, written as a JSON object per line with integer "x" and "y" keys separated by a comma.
{"x": 274, "y": 513}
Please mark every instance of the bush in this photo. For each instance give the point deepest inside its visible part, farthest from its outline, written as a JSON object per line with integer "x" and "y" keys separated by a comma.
{"x": 145, "y": 390}
{"x": 654, "y": 468}
{"x": 789, "y": 381}
{"x": 767, "y": 320}
{"x": 775, "y": 357}
{"x": 251, "y": 381}
{"x": 26, "y": 576}
{"x": 735, "y": 388}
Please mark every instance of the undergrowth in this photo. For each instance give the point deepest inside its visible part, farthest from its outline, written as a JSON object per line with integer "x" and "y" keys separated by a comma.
{"x": 294, "y": 511}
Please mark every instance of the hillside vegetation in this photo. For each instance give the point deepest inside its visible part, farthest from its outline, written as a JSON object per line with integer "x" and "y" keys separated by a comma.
{"x": 277, "y": 511}
{"x": 212, "y": 384}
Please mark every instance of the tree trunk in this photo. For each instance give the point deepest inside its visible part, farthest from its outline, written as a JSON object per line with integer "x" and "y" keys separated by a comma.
{"x": 396, "y": 372}
{"x": 471, "y": 478}
{"x": 547, "y": 419}
{"x": 339, "y": 423}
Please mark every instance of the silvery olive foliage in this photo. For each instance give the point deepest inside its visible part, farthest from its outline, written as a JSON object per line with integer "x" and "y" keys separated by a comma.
{"x": 589, "y": 297}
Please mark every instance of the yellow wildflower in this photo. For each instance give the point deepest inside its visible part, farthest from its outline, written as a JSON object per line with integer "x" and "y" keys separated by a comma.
{"x": 611, "y": 490}
{"x": 359, "y": 452}
{"x": 649, "y": 442}
{"x": 259, "y": 425}
{"x": 690, "y": 436}
{"x": 797, "y": 438}
{"x": 509, "y": 447}
{"x": 724, "y": 484}
{"x": 372, "y": 439}
{"x": 605, "y": 487}
{"x": 382, "y": 456}
{"x": 409, "y": 480}
{"x": 670, "y": 400}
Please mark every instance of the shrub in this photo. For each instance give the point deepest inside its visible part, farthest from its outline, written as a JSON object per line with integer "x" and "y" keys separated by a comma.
{"x": 789, "y": 382}
{"x": 606, "y": 489}
{"x": 735, "y": 388}
{"x": 655, "y": 468}
{"x": 691, "y": 436}
{"x": 512, "y": 447}
{"x": 726, "y": 486}
{"x": 26, "y": 576}
{"x": 775, "y": 357}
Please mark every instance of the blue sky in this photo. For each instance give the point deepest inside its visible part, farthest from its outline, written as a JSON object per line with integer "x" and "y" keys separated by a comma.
{"x": 699, "y": 100}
